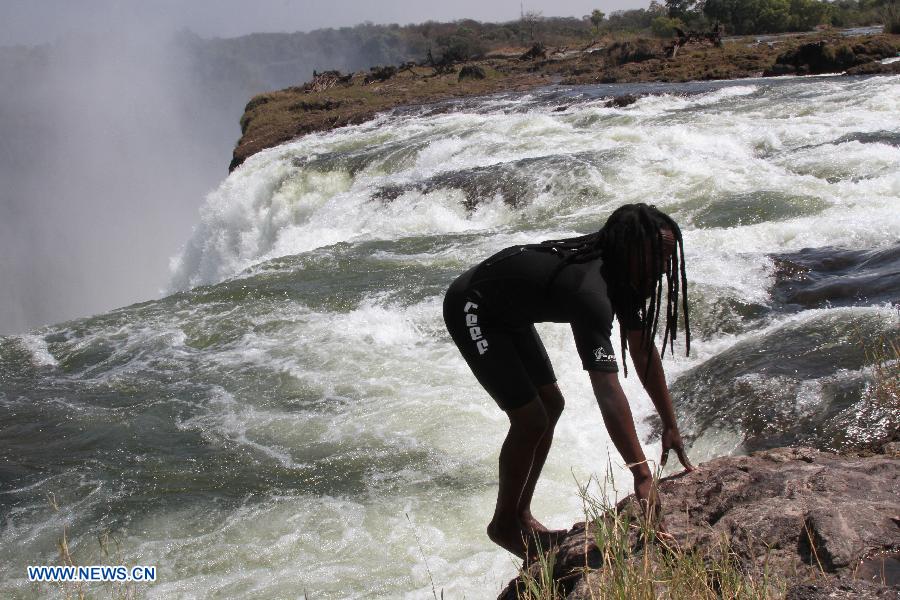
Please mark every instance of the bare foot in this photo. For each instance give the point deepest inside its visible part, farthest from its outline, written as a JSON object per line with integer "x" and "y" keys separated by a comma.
{"x": 509, "y": 535}
{"x": 647, "y": 499}
{"x": 531, "y": 523}
{"x": 538, "y": 528}
{"x": 523, "y": 539}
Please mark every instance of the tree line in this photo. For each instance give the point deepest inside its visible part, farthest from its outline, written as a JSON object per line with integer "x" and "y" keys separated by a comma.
{"x": 741, "y": 17}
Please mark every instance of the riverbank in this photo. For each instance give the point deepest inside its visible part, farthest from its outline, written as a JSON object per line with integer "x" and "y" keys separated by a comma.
{"x": 334, "y": 100}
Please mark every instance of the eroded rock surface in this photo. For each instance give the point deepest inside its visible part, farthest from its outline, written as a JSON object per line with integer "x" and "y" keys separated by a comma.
{"x": 816, "y": 520}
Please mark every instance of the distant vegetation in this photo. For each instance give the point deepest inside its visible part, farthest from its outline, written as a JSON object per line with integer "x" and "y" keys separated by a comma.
{"x": 238, "y": 67}
{"x": 273, "y": 60}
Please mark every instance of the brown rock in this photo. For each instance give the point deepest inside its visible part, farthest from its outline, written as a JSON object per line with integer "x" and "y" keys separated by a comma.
{"x": 809, "y": 517}
{"x": 843, "y": 590}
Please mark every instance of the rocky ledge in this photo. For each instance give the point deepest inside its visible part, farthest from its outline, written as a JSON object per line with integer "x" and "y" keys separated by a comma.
{"x": 819, "y": 526}
{"x": 333, "y": 99}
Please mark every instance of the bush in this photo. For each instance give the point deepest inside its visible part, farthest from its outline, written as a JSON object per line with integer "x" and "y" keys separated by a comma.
{"x": 664, "y": 27}
{"x": 769, "y": 16}
{"x": 458, "y": 48}
{"x": 471, "y": 72}
{"x": 638, "y": 50}
{"x": 890, "y": 16}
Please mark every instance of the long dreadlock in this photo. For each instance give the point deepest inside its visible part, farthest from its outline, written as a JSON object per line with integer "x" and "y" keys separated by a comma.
{"x": 622, "y": 242}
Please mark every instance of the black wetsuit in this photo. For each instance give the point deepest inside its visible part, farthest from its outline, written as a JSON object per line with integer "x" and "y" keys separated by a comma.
{"x": 490, "y": 311}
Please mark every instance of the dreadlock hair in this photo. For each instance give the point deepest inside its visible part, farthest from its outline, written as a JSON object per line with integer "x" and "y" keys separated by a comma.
{"x": 622, "y": 242}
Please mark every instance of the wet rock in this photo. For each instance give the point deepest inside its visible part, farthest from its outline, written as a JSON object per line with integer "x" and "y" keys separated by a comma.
{"x": 892, "y": 449}
{"x": 819, "y": 277}
{"x": 803, "y": 383}
{"x": 875, "y": 68}
{"x": 842, "y": 590}
{"x": 806, "y": 516}
{"x": 831, "y": 56}
{"x": 620, "y": 101}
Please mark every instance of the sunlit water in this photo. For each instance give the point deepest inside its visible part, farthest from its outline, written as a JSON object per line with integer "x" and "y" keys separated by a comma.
{"x": 294, "y": 419}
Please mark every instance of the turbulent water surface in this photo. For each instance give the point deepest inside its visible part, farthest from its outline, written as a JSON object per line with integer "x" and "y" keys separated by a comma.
{"x": 294, "y": 418}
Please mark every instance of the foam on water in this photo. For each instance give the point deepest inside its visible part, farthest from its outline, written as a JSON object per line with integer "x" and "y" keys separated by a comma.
{"x": 677, "y": 148}
{"x": 37, "y": 347}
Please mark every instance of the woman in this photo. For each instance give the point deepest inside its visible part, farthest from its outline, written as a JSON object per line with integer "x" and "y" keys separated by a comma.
{"x": 490, "y": 311}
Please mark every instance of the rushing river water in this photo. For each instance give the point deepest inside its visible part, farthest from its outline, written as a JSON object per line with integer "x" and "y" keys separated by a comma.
{"x": 293, "y": 417}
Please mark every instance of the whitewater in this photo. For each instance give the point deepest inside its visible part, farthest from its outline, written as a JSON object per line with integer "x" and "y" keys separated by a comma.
{"x": 292, "y": 418}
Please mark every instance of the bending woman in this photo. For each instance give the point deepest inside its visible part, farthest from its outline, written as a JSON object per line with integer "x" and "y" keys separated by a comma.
{"x": 490, "y": 311}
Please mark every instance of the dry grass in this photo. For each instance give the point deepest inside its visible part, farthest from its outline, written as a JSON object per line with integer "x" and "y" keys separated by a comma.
{"x": 638, "y": 564}
{"x": 107, "y": 552}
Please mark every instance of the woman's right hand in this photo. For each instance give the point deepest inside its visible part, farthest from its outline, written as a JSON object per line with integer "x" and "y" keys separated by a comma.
{"x": 671, "y": 440}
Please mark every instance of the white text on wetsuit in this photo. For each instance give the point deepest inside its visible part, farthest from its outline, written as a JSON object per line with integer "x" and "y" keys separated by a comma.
{"x": 474, "y": 329}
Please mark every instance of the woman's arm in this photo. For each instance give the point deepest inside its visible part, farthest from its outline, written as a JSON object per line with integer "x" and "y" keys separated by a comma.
{"x": 650, "y": 371}
{"x": 620, "y": 426}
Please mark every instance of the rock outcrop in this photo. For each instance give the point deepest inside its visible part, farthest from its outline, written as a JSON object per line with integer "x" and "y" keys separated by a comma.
{"x": 820, "y": 525}
{"x": 833, "y": 56}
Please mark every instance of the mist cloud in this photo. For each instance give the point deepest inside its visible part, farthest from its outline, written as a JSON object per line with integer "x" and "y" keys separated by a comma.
{"x": 107, "y": 148}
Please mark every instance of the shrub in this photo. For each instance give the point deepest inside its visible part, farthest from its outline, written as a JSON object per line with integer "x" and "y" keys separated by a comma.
{"x": 665, "y": 27}
{"x": 638, "y": 50}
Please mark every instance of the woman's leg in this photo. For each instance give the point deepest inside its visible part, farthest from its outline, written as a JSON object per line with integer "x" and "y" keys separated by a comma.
{"x": 552, "y": 400}
{"x": 527, "y": 427}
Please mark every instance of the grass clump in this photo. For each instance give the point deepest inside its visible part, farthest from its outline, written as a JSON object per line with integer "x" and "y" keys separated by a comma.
{"x": 110, "y": 553}
{"x": 541, "y": 583}
{"x": 632, "y": 560}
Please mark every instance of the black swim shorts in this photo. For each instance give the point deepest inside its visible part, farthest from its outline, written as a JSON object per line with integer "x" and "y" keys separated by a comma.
{"x": 509, "y": 362}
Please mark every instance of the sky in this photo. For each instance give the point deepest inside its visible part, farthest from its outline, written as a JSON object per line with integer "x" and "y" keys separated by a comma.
{"x": 32, "y": 22}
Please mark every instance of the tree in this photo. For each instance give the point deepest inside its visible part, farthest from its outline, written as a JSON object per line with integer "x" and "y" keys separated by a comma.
{"x": 630, "y": 20}
{"x": 530, "y": 20}
{"x": 806, "y": 14}
{"x": 771, "y": 16}
{"x": 596, "y": 19}
{"x": 890, "y": 16}
{"x": 657, "y": 9}
{"x": 678, "y": 9}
